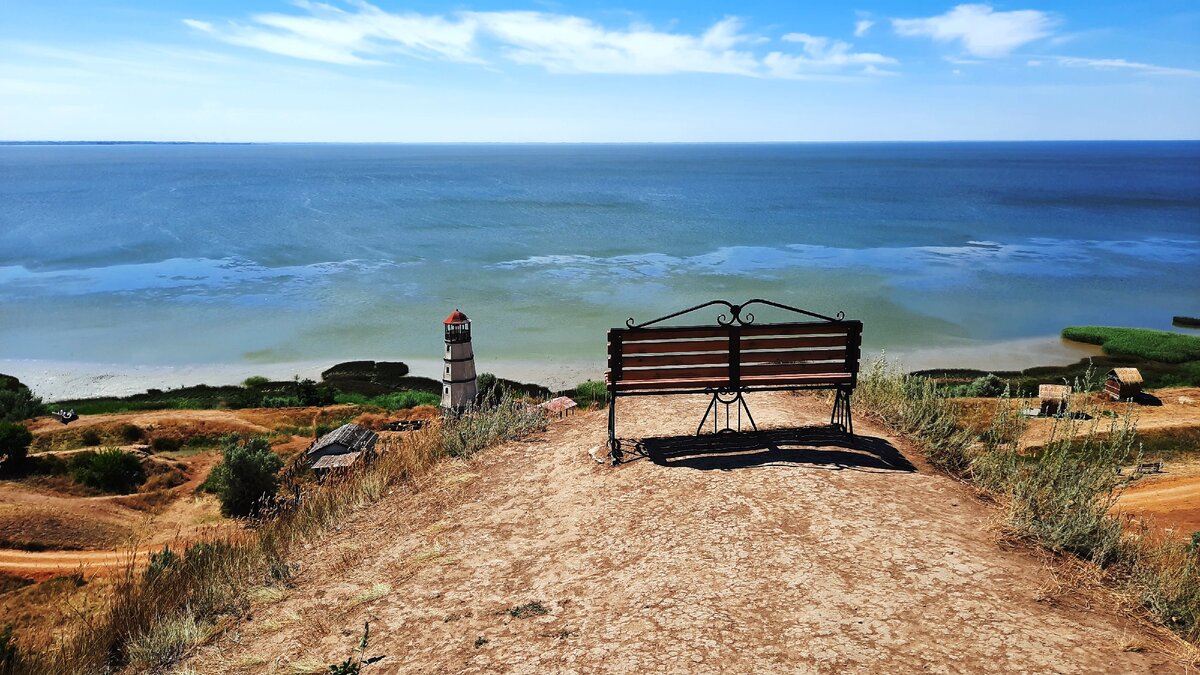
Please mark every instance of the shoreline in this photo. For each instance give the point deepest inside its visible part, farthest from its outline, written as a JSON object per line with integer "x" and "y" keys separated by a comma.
{"x": 59, "y": 380}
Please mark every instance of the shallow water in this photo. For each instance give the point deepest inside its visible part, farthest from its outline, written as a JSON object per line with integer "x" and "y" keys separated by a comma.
{"x": 271, "y": 254}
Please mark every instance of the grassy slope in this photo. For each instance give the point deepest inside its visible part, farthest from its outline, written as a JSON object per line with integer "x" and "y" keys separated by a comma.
{"x": 1151, "y": 345}
{"x": 1165, "y": 360}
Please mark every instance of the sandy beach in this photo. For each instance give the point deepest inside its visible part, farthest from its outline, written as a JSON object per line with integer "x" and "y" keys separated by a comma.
{"x": 56, "y": 380}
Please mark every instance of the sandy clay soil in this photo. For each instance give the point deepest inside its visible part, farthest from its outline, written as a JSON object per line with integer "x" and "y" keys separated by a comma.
{"x": 1170, "y": 501}
{"x": 790, "y": 550}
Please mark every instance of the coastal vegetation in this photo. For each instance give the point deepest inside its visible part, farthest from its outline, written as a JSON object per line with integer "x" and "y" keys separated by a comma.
{"x": 152, "y": 617}
{"x": 14, "y": 445}
{"x": 591, "y": 394}
{"x": 247, "y": 478}
{"x": 17, "y": 402}
{"x": 1059, "y": 495}
{"x": 1152, "y": 345}
{"x": 111, "y": 470}
{"x": 1164, "y": 359}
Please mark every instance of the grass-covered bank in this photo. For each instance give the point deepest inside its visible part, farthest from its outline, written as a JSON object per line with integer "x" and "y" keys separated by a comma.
{"x": 184, "y": 596}
{"x": 1165, "y": 359}
{"x": 1060, "y": 497}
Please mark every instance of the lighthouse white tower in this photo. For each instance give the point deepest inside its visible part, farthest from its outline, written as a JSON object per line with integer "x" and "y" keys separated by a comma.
{"x": 458, "y": 373}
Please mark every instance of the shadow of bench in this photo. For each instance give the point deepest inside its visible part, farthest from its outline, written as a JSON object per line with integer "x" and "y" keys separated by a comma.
{"x": 814, "y": 446}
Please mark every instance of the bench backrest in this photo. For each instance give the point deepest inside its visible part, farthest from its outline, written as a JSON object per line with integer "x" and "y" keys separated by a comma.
{"x": 793, "y": 355}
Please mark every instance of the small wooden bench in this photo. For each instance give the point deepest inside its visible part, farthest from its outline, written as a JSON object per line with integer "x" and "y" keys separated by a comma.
{"x": 731, "y": 358}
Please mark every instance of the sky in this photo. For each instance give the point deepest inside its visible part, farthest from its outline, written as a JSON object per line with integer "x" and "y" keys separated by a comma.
{"x": 597, "y": 71}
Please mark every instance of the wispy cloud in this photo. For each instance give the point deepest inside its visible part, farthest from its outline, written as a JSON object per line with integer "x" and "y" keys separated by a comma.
{"x": 821, "y": 54}
{"x": 364, "y": 34}
{"x": 862, "y": 26}
{"x": 981, "y": 30}
{"x": 1123, "y": 65}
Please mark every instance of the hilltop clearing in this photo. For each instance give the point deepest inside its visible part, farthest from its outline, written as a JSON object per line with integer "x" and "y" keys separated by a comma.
{"x": 777, "y": 552}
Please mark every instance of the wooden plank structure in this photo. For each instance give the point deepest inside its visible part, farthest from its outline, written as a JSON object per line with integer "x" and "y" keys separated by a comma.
{"x": 731, "y": 358}
{"x": 1123, "y": 384}
{"x": 1053, "y": 398}
{"x": 561, "y": 406}
{"x": 341, "y": 448}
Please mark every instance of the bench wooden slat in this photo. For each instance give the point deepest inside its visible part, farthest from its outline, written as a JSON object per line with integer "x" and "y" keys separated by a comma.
{"x": 750, "y": 358}
{"x": 795, "y": 343}
{"x": 828, "y": 379}
{"x": 747, "y": 358}
{"x": 675, "y": 373}
{"x": 630, "y": 335}
{"x": 675, "y": 360}
{"x": 747, "y": 345}
{"x": 674, "y": 347}
{"x": 794, "y": 368}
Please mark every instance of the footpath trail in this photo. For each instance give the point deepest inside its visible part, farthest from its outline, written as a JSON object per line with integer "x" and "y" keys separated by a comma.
{"x": 772, "y": 553}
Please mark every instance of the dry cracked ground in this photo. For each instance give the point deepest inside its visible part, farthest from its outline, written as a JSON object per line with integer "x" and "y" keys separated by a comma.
{"x": 784, "y": 551}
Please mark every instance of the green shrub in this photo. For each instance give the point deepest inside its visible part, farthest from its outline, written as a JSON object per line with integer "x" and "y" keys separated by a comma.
{"x": 14, "y": 445}
{"x": 281, "y": 402}
{"x": 18, "y": 403}
{"x": 165, "y": 444}
{"x": 254, "y": 382}
{"x": 89, "y": 437}
{"x": 593, "y": 393}
{"x": 160, "y": 562}
{"x": 400, "y": 400}
{"x": 110, "y": 470}
{"x": 308, "y": 392}
{"x": 1156, "y": 345}
{"x": 246, "y": 479}
{"x": 131, "y": 433}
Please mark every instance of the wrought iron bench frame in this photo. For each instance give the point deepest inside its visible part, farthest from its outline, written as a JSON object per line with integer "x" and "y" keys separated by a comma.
{"x": 688, "y": 360}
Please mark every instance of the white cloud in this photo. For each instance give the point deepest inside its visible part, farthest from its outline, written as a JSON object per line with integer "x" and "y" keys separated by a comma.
{"x": 822, "y": 54}
{"x": 862, "y": 26}
{"x": 202, "y": 26}
{"x": 570, "y": 44}
{"x": 1122, "y": 64}
{"x": 981, "y": 30}
{"x": 558, "y": 43}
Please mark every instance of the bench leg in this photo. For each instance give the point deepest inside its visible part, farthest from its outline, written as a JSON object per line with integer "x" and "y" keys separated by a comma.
{"x": 841, "y": 417}
{"x": 739, "y": 400}
{"x": 614, "y": 446}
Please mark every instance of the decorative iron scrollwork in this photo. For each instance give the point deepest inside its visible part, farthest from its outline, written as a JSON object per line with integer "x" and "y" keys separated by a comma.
{"x": 734, "y": 315}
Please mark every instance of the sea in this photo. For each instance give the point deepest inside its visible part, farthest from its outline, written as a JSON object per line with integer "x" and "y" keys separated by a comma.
{"x": 118, "y": 257}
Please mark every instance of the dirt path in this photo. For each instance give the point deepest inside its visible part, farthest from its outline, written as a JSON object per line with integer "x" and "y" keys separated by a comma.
{"x": 101, "y": 523}
{"x": 791, "y": 558}
{"x": 1172, "y": 501}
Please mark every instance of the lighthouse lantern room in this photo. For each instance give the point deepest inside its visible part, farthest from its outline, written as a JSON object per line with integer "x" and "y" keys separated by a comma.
{"x": 458, "y": 372}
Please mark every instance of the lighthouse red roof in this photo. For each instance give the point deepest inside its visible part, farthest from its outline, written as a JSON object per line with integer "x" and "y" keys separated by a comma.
{"x": 456, "y": 317}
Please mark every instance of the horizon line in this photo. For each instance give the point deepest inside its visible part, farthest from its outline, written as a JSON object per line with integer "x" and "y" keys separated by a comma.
{"x": 763, "y": 142}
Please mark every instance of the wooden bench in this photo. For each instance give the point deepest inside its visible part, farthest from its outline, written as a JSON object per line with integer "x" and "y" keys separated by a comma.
{"x": 731, "y": 358}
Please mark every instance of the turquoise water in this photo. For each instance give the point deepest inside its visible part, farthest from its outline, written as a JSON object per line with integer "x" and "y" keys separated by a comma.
{"x": 180, "y": 254}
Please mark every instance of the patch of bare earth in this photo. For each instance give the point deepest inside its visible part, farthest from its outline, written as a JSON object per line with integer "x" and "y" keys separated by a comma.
{"x": 781, "y": 554}
{"x": 1170, "y": 501}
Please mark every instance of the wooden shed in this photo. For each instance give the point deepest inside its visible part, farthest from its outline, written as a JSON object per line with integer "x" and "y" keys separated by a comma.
{"x": 1053, "y": 398}
{"x": 341, "y": 448}
{"x": 561, "y": 406}
{"x": 1123, "y": 384}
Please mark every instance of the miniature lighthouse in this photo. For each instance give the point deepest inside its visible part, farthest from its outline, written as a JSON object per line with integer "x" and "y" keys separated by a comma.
{"x": 458, "y": 375}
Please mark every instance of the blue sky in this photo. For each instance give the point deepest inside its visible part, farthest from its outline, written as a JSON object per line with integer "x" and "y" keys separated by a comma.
{"x": 267, "y": 70}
